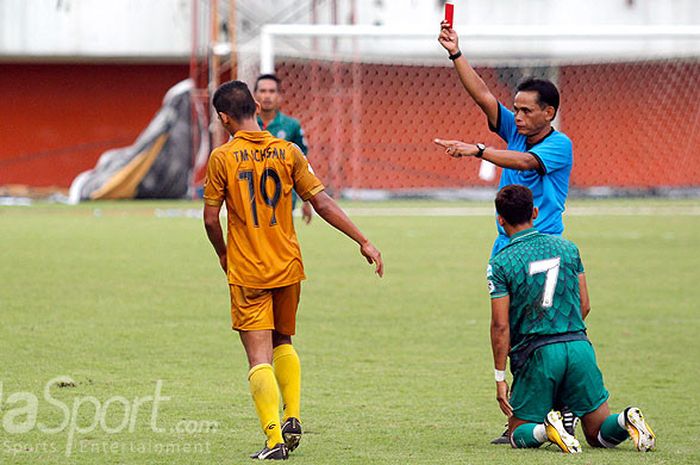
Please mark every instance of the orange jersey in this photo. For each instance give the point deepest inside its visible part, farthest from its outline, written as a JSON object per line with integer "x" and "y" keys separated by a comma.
{"x": 254, "y": 173}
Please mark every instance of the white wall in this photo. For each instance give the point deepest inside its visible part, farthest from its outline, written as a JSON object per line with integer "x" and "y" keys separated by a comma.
{"x": 535, "y": 12}
{"x": 146, "y": 29}
{"x": 95, "y": 28}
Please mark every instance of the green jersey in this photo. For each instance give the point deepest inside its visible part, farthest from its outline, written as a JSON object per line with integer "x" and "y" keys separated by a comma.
{"x": 540, "y": 273}
{"x": 285, "y": 127}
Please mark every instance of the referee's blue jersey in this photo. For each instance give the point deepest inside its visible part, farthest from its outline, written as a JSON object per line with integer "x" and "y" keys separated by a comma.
{"x": 549, "y": 184}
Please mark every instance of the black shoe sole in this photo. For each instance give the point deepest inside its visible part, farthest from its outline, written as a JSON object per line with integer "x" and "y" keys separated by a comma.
{"x": 291, "y": 440}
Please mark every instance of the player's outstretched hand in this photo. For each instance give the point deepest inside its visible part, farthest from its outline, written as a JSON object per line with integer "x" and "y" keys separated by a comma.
{"x": 502, "y": 395}
{"x": 372, "y": 254}
{"x": 456, "y": 148}
{"x": 448, "y": 38}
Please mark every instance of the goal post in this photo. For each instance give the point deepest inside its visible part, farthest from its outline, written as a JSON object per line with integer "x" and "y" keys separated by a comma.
{"x": 587, "y": 35}
{"x": 372, "y": 98}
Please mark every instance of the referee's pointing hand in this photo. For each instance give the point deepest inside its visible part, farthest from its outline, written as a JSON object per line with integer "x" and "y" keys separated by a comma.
{"x": 456, "y": 148}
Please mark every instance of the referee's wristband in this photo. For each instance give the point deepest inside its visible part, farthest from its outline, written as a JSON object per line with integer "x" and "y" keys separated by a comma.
{"x": 456, "y": 55}
{"x": 500, "y": 375}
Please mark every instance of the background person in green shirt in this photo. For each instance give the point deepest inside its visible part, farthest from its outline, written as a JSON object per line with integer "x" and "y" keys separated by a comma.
{"x": 267, "y": 93}
{"x": 539, "y": 300}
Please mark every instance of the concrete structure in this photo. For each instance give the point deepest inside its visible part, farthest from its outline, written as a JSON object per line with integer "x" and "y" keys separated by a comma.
{"x": 78, "y": 77}
{"x": 161, "y": 29}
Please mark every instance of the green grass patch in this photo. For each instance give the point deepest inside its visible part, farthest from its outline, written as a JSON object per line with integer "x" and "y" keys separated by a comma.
{"x": 395, "y": 371}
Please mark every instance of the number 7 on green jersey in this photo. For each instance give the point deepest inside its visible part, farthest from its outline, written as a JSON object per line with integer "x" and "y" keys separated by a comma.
{"x": 551, "y": 267}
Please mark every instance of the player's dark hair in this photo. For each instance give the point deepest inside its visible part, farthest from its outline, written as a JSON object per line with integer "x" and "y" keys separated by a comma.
{"x": 234, "y": 99}
{"x": 514, "y": 204}
{"x": 547, "y": 93}
{"x": 270, "y": 77}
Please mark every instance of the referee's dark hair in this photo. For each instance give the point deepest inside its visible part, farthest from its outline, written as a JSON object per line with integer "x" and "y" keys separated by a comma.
{"x": 270, "y": 77}
{"x": 547, "y": 93}
{"x": 234, "y": 99}
{"x": 514, "y": 204}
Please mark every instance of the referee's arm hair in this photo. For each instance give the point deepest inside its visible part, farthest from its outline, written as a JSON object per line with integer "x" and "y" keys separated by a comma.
{"x": 514, "y": 160}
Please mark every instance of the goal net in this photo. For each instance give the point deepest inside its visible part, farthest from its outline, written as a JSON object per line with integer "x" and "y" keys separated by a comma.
{"x": 372, "y": 100}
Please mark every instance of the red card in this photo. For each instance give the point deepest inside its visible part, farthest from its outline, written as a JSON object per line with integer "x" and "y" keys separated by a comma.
{"x": 449, "y": 12}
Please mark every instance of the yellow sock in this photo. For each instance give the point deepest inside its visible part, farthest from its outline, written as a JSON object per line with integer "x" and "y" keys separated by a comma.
{"x": 263, "y": 387}
{"x": 288, "y": 374}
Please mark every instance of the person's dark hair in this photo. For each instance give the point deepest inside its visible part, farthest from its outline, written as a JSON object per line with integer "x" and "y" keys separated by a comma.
{"x": 271, "y": 77}
{"x": 547, "y": 93}
{"x": 234, "y": 99}
{"x": 514, "y": 204}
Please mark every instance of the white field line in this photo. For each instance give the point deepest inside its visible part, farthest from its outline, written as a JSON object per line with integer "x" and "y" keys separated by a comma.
{"x": 419, "y": 211}
{"x": 486, "y": 211}
{"x": 659, "y": 210}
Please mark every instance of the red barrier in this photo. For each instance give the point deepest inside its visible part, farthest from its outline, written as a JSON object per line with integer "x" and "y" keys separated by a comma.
{"x": 369, "y": 126}
{"x": 58, "y": 118}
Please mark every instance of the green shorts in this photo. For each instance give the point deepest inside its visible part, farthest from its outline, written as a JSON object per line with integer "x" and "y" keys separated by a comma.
{"x": 558, "y": 375}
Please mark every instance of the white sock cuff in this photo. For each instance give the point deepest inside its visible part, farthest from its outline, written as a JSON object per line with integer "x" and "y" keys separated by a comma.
{"x": 621, "y": 420}
{"x": 540, "y": 433}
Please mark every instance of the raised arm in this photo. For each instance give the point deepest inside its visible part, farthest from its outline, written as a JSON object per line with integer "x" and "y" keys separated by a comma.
{"x": 327, "y": 209}
{"x": 472, "y": 82}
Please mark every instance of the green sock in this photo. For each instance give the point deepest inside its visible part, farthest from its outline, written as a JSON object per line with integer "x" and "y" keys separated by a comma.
{"x": 524, "y": 436}
{"x": 611, "y": 432}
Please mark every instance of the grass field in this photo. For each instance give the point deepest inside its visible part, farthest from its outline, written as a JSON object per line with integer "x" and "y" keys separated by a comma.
{"x": 395, "y": 371}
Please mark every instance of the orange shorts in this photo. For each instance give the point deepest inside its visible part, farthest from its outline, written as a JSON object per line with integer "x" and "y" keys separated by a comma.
{"x": 259, "y": 309}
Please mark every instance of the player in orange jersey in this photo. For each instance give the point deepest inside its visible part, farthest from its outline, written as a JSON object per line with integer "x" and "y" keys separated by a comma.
{"x": 254, "y": 174}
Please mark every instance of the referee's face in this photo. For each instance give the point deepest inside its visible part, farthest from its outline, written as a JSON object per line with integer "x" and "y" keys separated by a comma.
{"x": 530, "y": 118}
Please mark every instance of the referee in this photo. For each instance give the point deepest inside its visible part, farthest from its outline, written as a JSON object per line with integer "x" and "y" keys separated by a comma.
{"x": 537, "y": 155}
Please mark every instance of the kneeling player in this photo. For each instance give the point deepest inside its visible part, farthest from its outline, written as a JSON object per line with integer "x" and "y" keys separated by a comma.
{"x": 539, "y": 300}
